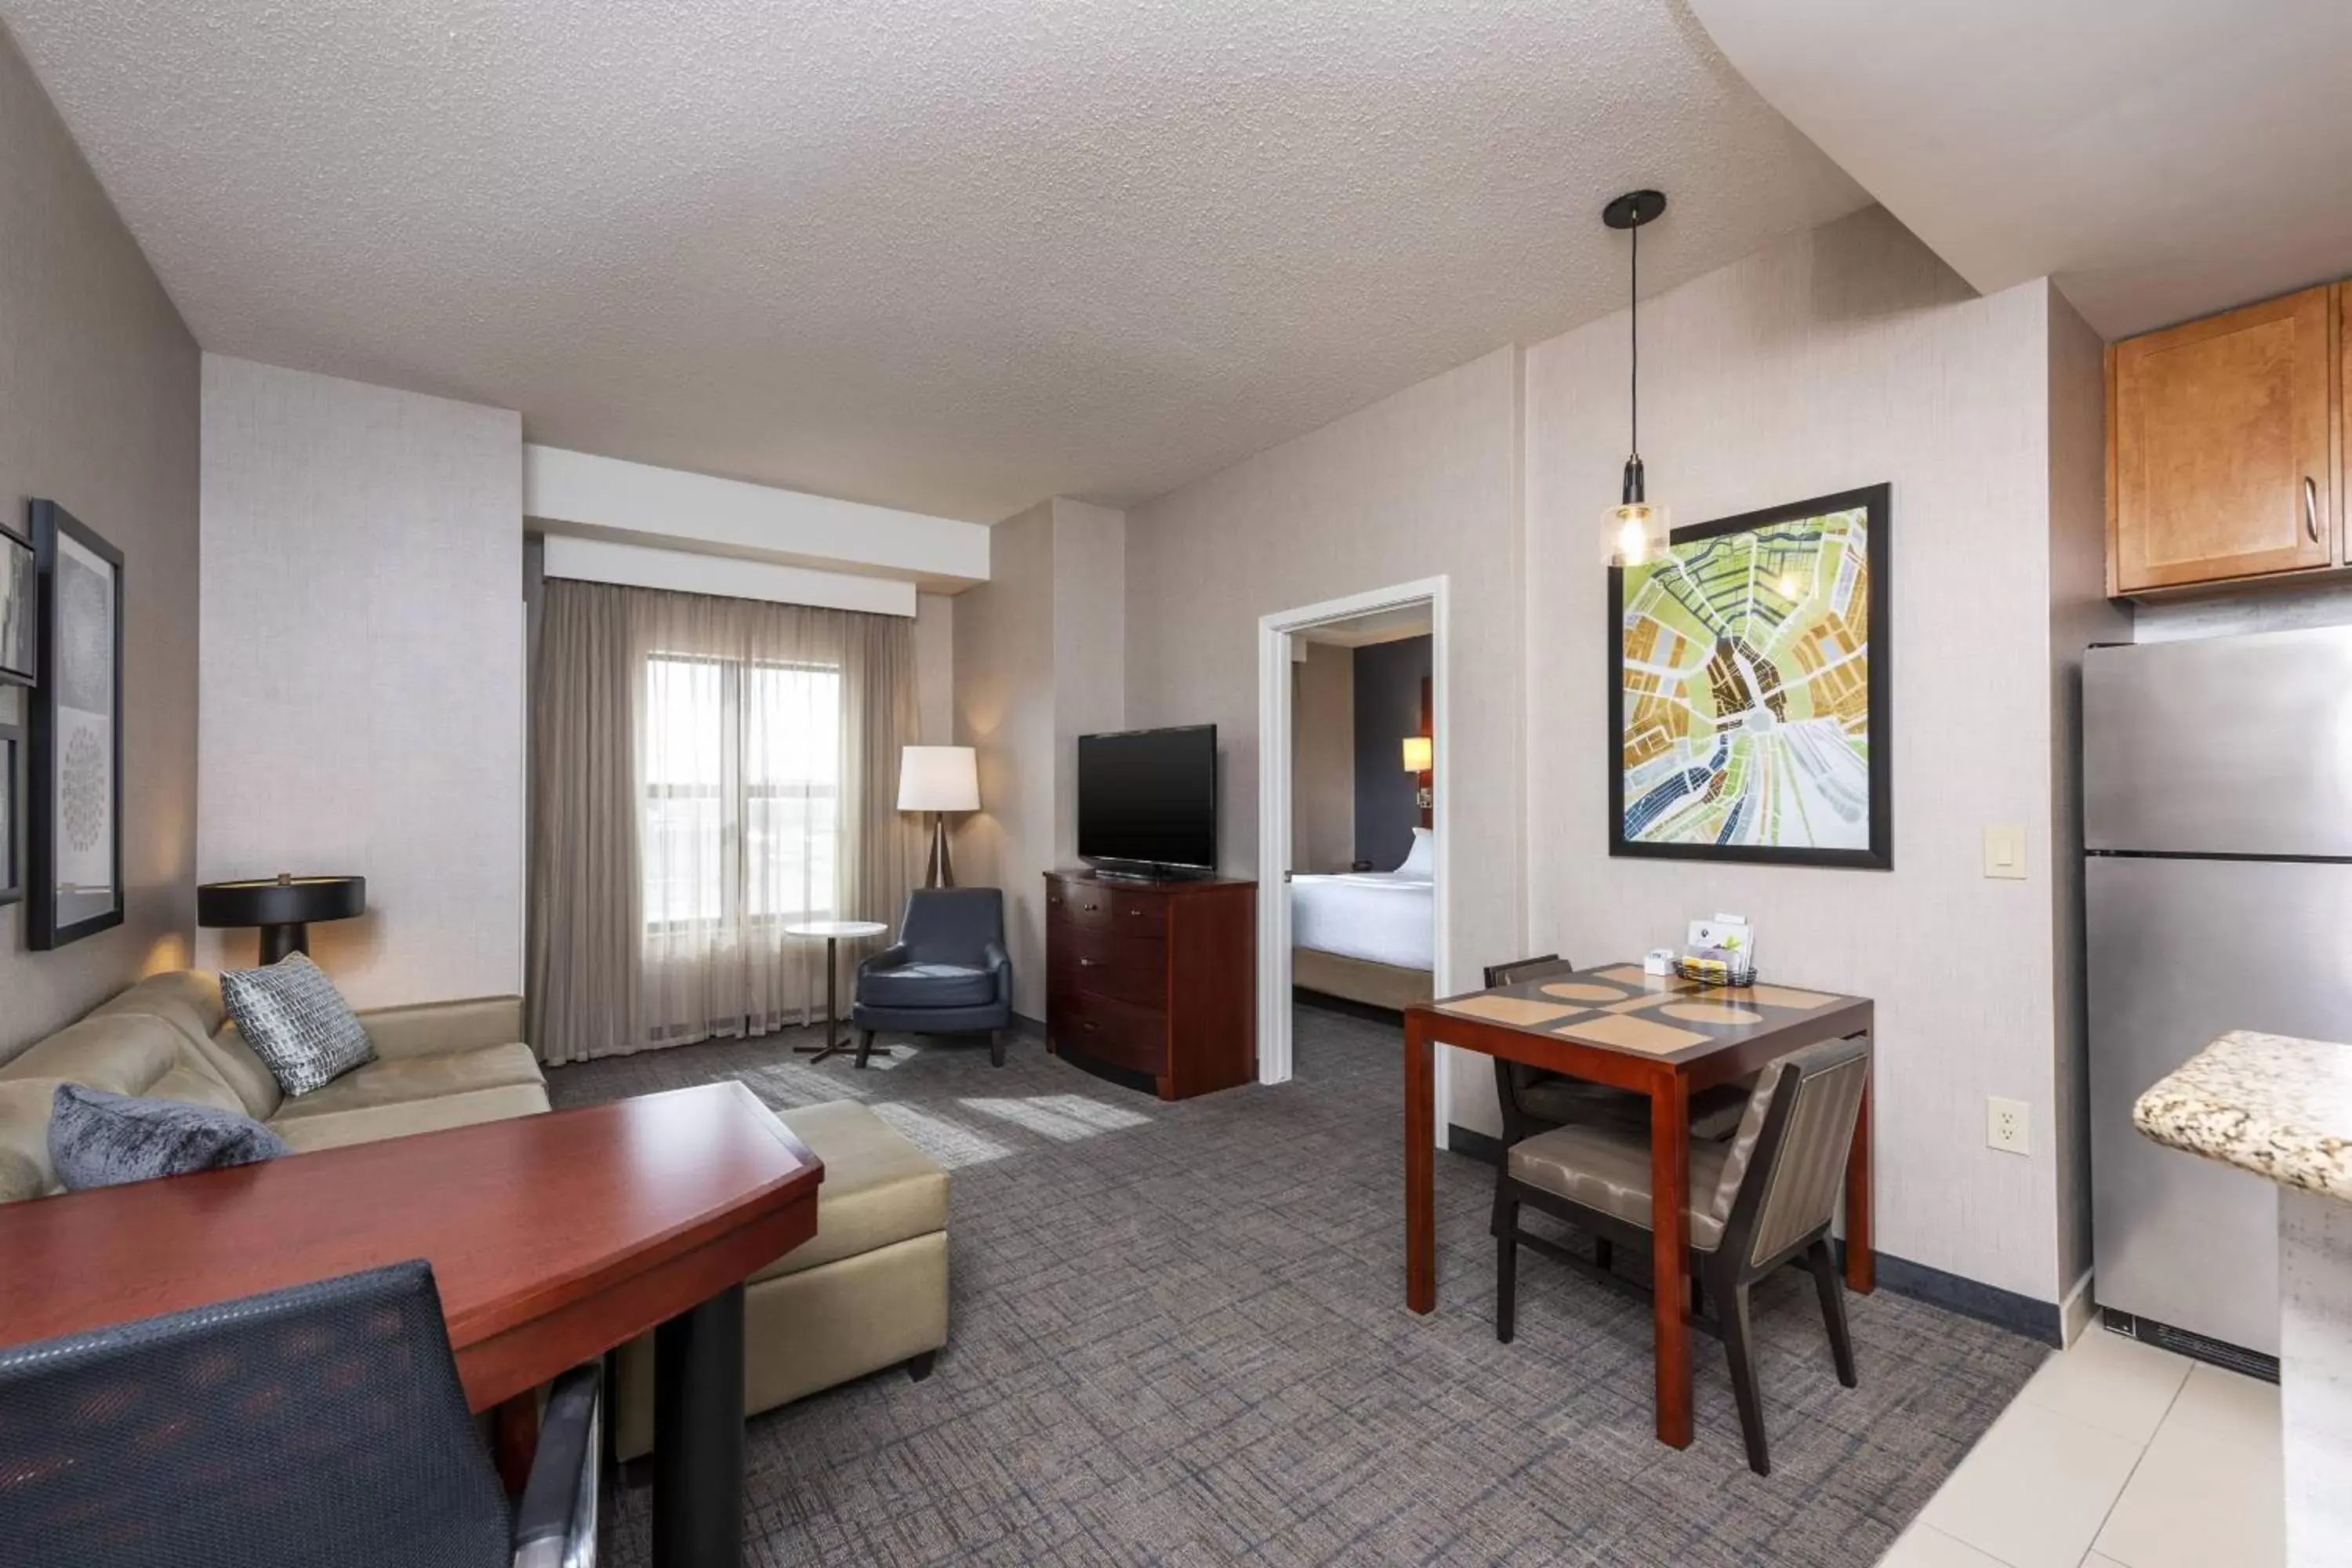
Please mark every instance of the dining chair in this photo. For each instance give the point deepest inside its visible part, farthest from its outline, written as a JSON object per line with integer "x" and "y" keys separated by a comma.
{"x": 1763, "y": 1199}
{"x": 1534, "y": 1100}
{"x": 317, "y": 1423}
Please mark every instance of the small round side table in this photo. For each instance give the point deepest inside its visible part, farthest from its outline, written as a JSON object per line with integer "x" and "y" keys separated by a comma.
{"x": 833, "y": 932}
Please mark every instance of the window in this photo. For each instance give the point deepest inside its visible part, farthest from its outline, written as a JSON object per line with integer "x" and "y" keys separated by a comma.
{"x": 742, "y": 807}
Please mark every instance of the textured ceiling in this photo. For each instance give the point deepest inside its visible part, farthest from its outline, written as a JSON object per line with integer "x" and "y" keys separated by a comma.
{"x": 948, "y": 257}
{"x": 2159, "y": 159}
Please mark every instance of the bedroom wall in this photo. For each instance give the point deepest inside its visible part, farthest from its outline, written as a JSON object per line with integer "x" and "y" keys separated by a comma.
{"x": 99, "y": 412}
{"x": 1421, "y": 484}
{"x": 1323, "y": 757}
{"x": 1835, "y": 359}
{"x": 1388, "y": 708}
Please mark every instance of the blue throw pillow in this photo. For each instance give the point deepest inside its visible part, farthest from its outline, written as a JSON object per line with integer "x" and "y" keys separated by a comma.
{"x": 102, "y": 1140}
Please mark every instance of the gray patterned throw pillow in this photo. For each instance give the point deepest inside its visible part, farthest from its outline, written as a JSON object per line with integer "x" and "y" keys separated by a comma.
{"x": 102, "y": 1140}
{"x": 297, "y": 1022}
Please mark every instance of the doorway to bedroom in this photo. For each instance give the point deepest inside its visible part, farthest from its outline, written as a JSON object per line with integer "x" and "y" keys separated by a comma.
{"x": 1352, "y": 776}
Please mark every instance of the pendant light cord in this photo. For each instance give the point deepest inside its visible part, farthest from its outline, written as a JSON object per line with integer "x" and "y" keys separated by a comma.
{"x": 1634, "y": 334}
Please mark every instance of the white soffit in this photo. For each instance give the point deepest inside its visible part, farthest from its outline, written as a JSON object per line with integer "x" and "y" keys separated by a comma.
{"x": 633, "y": 503}
{"x": 637, "y": 566}
{"x": 950, "y": 258}
{"x": 2159, "y": 159}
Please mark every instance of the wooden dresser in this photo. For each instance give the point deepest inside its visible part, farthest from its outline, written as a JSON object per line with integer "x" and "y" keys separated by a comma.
{"x": 1159, "y": 978}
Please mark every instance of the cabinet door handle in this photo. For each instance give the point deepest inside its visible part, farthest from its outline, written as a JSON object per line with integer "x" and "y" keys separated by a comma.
{"x": 1092, "y": 907}
{"x": 2310, "y": 509}
{"x": 1092, "y": 1025}
{"x": 1088, "y": 963}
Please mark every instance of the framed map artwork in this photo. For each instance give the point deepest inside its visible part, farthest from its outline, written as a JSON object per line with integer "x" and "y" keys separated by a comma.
{"x": 1747, "y": 697}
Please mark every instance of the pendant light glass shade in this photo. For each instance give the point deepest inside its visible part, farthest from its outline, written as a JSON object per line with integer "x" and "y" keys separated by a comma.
{"x": 1635, "y": 531}
{"x": 1634, "y": 534}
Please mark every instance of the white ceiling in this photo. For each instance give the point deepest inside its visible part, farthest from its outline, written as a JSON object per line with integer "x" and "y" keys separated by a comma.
{"x": 2160, "y": 158}
{"x": 953, "y": 258}
{"x": 1380, "y": 626}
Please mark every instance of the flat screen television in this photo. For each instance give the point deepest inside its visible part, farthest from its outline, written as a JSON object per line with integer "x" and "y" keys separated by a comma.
{"x": 1148, "y": 802}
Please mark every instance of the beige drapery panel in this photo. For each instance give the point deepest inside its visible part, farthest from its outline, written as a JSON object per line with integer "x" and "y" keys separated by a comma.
{"x": 706, "y": 771}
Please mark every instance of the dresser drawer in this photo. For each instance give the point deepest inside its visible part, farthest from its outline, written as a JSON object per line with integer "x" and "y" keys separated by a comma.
{"x": 1120, "y": 1033}
{"x": 1099, "y": 907}
{"x": 1105, "y": 964}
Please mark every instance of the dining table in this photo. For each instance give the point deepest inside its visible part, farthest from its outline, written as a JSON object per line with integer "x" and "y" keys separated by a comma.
{"x": 1661, "y": 1036}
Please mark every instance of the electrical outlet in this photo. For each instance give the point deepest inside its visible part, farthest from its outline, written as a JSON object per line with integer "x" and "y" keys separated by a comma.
{"x": 2005, "y": 1125}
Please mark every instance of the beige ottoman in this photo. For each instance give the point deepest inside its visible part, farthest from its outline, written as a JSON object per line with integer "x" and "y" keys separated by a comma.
{"x": 868, "y": 1290}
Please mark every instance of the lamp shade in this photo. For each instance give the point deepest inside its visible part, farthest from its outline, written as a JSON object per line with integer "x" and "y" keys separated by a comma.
{"x": 938, "y": 778}
{"x": 1416, "y": 754}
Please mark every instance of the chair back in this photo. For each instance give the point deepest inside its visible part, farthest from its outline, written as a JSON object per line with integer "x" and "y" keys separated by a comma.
{"x": 1780, "y": 1182}
{"x": 952, "y": 925}
{"x": 320, "y": 1423}
{"x": 1512, "y": 1077}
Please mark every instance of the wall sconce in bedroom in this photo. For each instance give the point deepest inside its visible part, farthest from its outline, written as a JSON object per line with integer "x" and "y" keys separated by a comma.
{"x": 1418, "y": 762}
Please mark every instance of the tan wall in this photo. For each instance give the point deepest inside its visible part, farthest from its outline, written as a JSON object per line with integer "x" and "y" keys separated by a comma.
{"x": 2080, "y": 614}
{"x": 99, "y": 412}
{"x": 1004, "y": 710}
{"x": 1422, "y": 484}
{"x": 1323, "y": 759}
{"x": 934, "y": 669}
{"x": 1089, "y": 649}
{"x": 1836, "y": 359}
{"x": 362, "y": 671}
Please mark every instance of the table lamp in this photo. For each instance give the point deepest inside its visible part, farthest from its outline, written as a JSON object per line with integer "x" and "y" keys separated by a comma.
{"x": 938, "y": 779}
{"x": 283, "y": 906}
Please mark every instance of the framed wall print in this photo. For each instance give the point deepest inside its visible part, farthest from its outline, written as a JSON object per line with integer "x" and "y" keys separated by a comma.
{"x": 74, "y": 857}
{"x": 12, "y": 814}
{"x": 1749, "y": 690}
{"x": 18, "y": 598}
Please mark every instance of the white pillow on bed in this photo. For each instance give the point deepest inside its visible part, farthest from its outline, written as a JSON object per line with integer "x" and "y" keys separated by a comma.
{"x": 1421, "y": 860}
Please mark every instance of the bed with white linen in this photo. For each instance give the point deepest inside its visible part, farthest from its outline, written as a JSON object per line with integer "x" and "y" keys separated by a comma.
{"x": 1368, "y": 936}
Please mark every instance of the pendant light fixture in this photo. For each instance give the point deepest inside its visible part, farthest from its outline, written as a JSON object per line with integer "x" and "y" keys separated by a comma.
{"x": 1634, "y": 530}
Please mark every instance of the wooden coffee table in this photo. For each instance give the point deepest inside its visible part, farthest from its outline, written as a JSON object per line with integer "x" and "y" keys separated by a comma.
{"x": 553, "y": 1238}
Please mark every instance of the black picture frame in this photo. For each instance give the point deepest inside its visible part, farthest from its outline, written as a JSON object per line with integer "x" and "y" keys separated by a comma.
{"x": 54, "y": 915}
{"x": 12, "y": 814}
{"x": 19, "y": 610}
{"x": 1877, "y": 501}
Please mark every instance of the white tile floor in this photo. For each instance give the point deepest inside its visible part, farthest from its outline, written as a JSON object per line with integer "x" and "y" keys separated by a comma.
{"x": 2116, "y": 1455}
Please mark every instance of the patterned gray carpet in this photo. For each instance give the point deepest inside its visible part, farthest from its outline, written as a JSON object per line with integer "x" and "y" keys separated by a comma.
{"x": 1178, "y": 1337}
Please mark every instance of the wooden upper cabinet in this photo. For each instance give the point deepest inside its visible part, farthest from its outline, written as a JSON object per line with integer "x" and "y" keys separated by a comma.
{"x": 2221, "y": 447}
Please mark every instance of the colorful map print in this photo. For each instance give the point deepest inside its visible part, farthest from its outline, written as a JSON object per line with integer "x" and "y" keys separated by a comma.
{"x": 1747, "y": 701}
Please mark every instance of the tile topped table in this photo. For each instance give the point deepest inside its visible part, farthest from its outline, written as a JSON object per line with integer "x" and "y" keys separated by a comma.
{"x": 1660, "y": 1036}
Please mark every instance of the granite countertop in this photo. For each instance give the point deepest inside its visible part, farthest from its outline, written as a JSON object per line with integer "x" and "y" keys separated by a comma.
{"x": 2279, "y": 1107}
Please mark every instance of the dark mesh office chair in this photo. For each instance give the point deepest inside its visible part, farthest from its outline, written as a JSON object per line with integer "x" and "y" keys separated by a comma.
{"x": 322, "y": 1424}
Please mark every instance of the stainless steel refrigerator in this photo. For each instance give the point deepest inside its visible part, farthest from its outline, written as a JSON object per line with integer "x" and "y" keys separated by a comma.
{"x": 2217, "y": 796}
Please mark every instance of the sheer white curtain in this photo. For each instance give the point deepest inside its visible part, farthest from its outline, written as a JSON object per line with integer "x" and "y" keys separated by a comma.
{"x": 765, "y": 742}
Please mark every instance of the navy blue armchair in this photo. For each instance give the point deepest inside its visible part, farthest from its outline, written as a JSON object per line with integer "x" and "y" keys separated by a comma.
{"x": 947, "y": 973}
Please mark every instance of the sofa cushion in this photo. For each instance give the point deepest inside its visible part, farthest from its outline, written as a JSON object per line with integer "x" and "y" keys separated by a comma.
{"x": 25, "y": 1169}
{"x": 407, "y": 1079}
{"x": 436, "y": 1028}
{"x": 878, "y": 1188}
{"x": 366, "y": 1125}
{"x": 126, "y": 1053}
{"x": 190, "y": 1000}
{"x": 927, "y": 986}
{"x": 293, "y": 1017}
{"x": 100, "y": 1139}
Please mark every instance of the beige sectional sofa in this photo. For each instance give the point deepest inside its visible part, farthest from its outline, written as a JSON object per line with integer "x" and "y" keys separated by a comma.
{"x": 444, "y": 1064}
{"x": 869, "y": 1290}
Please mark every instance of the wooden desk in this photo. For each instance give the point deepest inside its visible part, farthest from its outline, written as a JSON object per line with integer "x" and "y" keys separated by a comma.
{"x": 553, "y": 1238}
{"x": 1619, "y": 1026}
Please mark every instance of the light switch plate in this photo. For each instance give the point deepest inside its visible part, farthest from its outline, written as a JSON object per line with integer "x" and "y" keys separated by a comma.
{"x": 2004, "y": 852}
